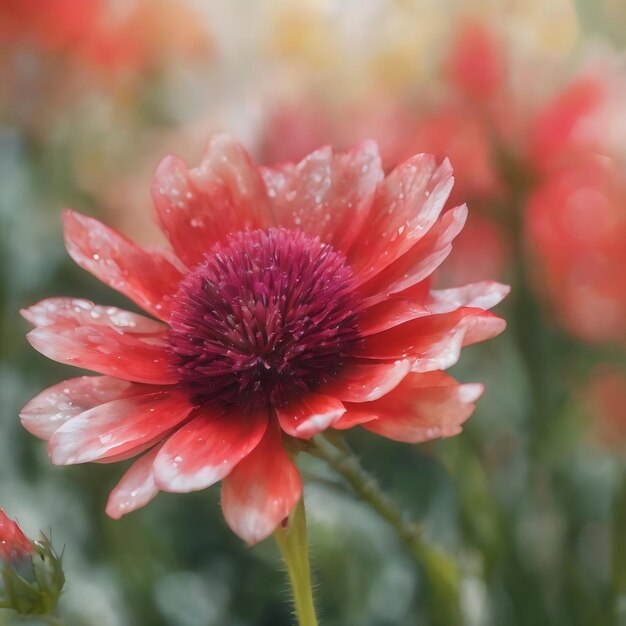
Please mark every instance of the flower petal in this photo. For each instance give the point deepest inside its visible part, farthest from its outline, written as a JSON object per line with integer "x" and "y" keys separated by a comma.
{"x": 146, "y": 277}
{"x": 483, "y": 295}
{"x": 358, "y": 382}
{"x": 398, "y": 310}
{"x": 261, "y": 490}
{"x": 102, "y": 339}
{"x": 421, "y": 260}
{"x": 389, "y": 313}
{"x": 205, "y": 450}
{"x": 80, "y": 312}
{"x": 326, "y": 194}
{"x": 200, "y": 206}
{"x": 136, "y": 487}
{"x": 407, "y": 204}
{"x": 354, "y": 417}
{"x": 435, "y": 341}
{"x": 116, "y": 427}
{"x": 58, "y": 404}
{"x": 422, "y": 407}
{"x": 309, "y": 415}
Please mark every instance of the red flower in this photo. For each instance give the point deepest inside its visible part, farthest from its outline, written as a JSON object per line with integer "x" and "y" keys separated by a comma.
{"x": 296, "y": 299}
{"x": 576, "y": 228}
{"x": 557, "y": 134}
{"x": 93, "y": 32}
{"x": 14, "y": 544}
{"x": 476, "y": 61}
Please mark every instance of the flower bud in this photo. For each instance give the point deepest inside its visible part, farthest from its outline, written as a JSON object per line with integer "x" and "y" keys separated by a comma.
{"x": 31, "y": 571}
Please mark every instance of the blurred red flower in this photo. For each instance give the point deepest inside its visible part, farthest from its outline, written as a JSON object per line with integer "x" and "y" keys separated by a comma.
{"x": 562, "y": 130}
{"x": 475, "y": 63}
{"x": 576, "y": 229}
{"x": 52, "y": 25}
{"x": 110, "y": 38}
{"x": 296, "y": 298}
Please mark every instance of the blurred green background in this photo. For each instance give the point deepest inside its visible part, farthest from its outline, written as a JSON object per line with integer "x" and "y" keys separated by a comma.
{"x": 528, "y": 504}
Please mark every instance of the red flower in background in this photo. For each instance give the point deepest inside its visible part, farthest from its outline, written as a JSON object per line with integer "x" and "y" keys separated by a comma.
{"x": 475, "y": 64}
{"x": 296, "y": 299}
{"x": 576, "y": 215}
{"x": 128, "y": 38}
{"x": 52, "y": 25}
{"x": 14, "y": 544}
{"x": 576, "y": 228}
{"x": 558, "y": 136}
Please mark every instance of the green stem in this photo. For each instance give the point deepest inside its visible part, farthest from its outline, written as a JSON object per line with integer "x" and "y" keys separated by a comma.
{"x": 341, "y": 458}
{"x": 292, "y": 541}
{"x": 618, "y": 565}
{"x": 440, "y": 570}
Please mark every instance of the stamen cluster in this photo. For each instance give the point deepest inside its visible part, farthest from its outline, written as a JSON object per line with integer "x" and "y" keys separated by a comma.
{"x": 267, "y": 315}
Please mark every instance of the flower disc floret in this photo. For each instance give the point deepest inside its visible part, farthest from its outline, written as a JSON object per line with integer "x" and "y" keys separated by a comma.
{"x": 270, "y": 314}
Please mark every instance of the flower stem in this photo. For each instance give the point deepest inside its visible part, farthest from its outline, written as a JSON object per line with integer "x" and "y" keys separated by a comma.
{"x": 439, "y": 569}
{"x": 618, "y": 565}
{"x": 292, "y": 541}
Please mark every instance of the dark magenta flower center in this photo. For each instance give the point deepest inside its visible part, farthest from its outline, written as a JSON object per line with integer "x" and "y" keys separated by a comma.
{"x": 266, "y": 316}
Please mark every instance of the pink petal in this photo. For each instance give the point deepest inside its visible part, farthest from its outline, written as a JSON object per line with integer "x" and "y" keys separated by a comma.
{"x": 261, "y": 490}
{"x": 421, "y": 260}
{"x": 407, "y": 204}
{"x": 200, "y": 206}
{"x": 205, "y": 450}
{"x": 365, "y": 382}
{"x": 116, "y": 427}
{"x": 398, "y": 310}
{"x": 326, "y": 194}
{"x": 484, "y": 295}
{"x": 146, "y": 277}
{"x": 445, "y": 350}
{"x": 49, "y": 410}
{"x": 103, "y": 339}
{"x": 312, "y": 413}
{"x": 136, "y": 487}
{"x": 435, "y": 341}
{"x": 354, "y": 417}
{"x": 81, "y": 312}
{"x": 480, "y": 327}
{"x": 422, "y": 407}
{"x": 390, "y": 313}
{"x": 134, "y": 451}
